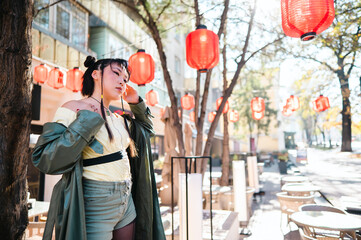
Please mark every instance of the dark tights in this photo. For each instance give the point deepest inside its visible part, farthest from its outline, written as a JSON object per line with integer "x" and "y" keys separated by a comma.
{"x": 125, "y": 233}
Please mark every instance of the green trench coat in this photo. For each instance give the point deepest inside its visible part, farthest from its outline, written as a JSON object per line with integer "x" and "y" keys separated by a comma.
{"x": 58, "y": 151}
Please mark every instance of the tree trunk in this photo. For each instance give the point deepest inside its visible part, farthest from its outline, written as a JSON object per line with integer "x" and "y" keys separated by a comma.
{"x": 346, "y": 125}
{"x": 225, "y": 153}
{"x": 15, "y": 111}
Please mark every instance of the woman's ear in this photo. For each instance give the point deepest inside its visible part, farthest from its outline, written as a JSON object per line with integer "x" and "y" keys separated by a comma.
{"x": 96, "y": 74}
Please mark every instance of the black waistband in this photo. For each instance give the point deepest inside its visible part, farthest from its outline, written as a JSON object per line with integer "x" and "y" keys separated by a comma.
{"x": 103, "y": 159}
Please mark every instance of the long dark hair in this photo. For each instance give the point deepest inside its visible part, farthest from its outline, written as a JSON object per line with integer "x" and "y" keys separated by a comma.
{"x": 88, "y": 87}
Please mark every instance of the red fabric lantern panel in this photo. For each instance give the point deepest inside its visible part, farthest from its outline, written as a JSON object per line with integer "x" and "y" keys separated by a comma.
{"x": 218, "y": 104}
{"x": 321, "y": 104}
{"x": 56, "y": 78}
{"x": 293, "y": 103}
{"x": 287, "y": 111}
{"x": 74, "y": 79}
{"x": 211, "y": 116}
{"x": 202, "y": 49}
{"x": 187, "y": 102}
{"x": 40, "y": 73}
{"x": 233, "y": 116}
{"x": 257, "y": 115}
{"x": 192, "y": 116}
{"x": 152, "y": 97}
{"x": 257, "y": 104}
{"x": 141, "y": 66}
{"x": 306, "y": 18}
{"x": 162, "y": 110}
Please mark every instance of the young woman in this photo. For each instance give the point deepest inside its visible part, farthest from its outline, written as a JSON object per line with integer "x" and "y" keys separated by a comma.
{"x": 107, "y": 190}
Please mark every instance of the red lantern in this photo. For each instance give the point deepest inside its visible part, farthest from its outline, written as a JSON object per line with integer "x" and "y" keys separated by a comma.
{"x": 202, "y": 49}
{"x": 293, "y": 103}
{"x": 306, "y": 18}
{"x": 211, "y": 116}
{"x": 187, "y": 102}
{"x": 233, "y": 116}
{"x": 286, "y": 111}
{"x": 257, "y": 104}
{"x": 40, "y": 73}
{"x": 152, "y": 97}
{"x": 321, "y": 104}
{"x": 74, "y": 79}
{"x": 56, "y": 78}
{"x": 257, "y": 115}
{"x": 141, "y": 66}
{"x": 192, "y": 116}
{"x": 162, "y": 110}
{"x": 226, "y": 106}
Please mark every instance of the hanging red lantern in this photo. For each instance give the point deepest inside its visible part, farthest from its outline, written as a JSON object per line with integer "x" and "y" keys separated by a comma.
{"x": 152, "y": 97}
{"x": 211, "y": 116}
{"x": 187, "y": 102}
{"x": 293, "y": 103}
{"x": 74, "y": 79}
{"x": 141, "y": 66}
{"x": 161, "y": 112}
{"x": 226, "y": 106}
{"x": 56, "y": 78}
{"x": 40, "y": 73}
{"x": 192, "y": 116}
{"x": 202, "y": 49}
{"x": 257, "y": 104}
{"x": 257, "y": 115}
{"x": 287, "y": 111}
{"x": 321, "y": 104}
{"x": 233, "y": 116}
{"x": 306, "y": 18}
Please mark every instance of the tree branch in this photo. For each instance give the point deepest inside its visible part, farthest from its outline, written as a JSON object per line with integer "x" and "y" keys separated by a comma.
{"x": 264, "y": 47}
{"x": 134, "y": 10}
{"x": 250, "y": 25}
{"x": 196, "y": 11}
{"x": 352, "y": 64}
{"x": 36, "y": 12}
{"x": 163, "y": 9}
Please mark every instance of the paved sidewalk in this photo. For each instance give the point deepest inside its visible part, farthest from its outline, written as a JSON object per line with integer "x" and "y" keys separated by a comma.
{"x": 337, "y": 174}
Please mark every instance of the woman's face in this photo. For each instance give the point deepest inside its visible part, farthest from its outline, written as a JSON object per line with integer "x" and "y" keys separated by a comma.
{"x": 115, "y": 78}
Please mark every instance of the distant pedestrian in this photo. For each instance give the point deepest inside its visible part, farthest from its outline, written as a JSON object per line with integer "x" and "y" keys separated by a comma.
{"x": 107, "y": 190}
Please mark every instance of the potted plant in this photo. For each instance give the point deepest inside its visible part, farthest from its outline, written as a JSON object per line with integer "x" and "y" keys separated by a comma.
{"x": 282, "y": 161}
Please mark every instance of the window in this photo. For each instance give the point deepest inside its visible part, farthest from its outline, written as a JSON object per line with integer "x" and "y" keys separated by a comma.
{"x": 78, "y": 32}
{"x": 42, "y": 18}
{"x": 62, "y": 22}
{"x": 177, "y": 64}
{"x": 63, "y": 19}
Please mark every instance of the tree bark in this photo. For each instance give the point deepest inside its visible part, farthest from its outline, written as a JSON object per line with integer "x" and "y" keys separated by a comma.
{"x": 346, "y": 106}
{"x": 225, "y": 153}
{"x": 15, "y": 111}
{"x": 346, "y": 125}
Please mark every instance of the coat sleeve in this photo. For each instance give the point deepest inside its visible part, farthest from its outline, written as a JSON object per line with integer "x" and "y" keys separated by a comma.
{"x": 60, "y": 147}
{"x": 143, "y": 115}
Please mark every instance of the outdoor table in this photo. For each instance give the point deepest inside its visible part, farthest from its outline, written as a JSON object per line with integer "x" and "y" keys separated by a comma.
{"x": 38, "y": 208}
{"x": 300, "y": 189}
{"x": 293, "y": 179}
{"x": 344, "y": 223}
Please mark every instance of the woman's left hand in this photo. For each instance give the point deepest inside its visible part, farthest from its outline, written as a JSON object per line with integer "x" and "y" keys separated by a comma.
{"x": 130, "y": 95}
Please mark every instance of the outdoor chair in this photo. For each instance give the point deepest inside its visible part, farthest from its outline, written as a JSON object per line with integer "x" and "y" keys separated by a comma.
{"x": 35, "y": 230}
{"x": 316, "y": 207}
{"x": 290, "y": 204}
{"x": 305, "y": 236}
